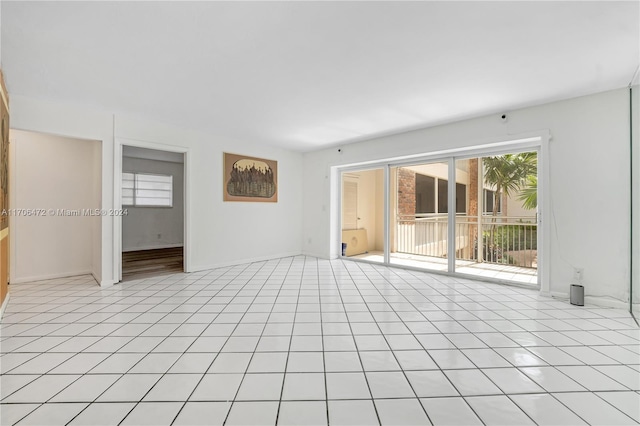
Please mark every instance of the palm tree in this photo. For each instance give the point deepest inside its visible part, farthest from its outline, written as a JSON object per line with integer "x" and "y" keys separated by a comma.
{"x": 508, "y": 174}
{"x": 529, "y": 194}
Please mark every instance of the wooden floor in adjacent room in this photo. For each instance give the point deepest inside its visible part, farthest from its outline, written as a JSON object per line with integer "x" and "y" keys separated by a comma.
{"x": 149, "y": 263}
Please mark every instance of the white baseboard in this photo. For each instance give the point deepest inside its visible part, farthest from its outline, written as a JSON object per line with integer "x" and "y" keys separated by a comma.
{"x": 153, "y": 247}
{"x": 106, "y": 283}
{"x": 606, "y": 302}
{"x": 318, "y": 255}
{"x": 242, "y": 261}
{"x": 44, "y": 277}
{"x": 602, "y": 301}
{"x": 4, "y": 306}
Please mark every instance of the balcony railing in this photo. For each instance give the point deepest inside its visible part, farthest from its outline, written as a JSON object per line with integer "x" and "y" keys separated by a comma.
{"x": 507, "y": 240}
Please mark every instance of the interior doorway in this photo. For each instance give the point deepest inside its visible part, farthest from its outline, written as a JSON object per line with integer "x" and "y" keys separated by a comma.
{"x": 363, "y": 214}
{"x": 55, "y": 194}
{"x": 153, "y": 205}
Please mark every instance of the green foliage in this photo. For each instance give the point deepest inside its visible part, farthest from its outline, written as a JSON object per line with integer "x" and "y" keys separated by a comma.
{"x": 515, "y": 237}
{"x": 529, "y": 194}
{"x": 508, "y": 173}
{"x": 492, "y": 253}
{"x": 506, "y": 238}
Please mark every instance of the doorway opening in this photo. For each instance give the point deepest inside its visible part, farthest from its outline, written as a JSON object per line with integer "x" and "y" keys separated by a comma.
{"x": 55, "y": 196}
{"x": 153, "y": 203}
{"x": 363, "y": 214}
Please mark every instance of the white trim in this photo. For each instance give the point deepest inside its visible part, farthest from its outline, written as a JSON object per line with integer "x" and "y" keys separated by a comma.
{"x": 117, "y": 201}
{"x": 532, "y": 141}
{"x": 45, "y": 277}
{"x": 5, "y": 303}
{"x": 606, "y": 302}
{"x": 335, "y": 212}
{"x": 157, "y": 247}
{"x": 451, "y": 214}
{"x": 103, "y": 283}
{"x": 117, "y": 204}
{"x": 13, "y": 201}
{"x": 246, "y": 260}
{"x": 107, "y": 283}
{"x": 96, "y": 278}
{"x": 386, "y": 214}
{"x": 593, "y": 301}
{"x": 495, "y": 146}
{"x": 544, "y": 216}
{"x": 322, "y": 256}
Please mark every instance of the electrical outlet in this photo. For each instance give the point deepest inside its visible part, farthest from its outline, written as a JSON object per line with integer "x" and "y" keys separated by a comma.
{"x": 159, "y": 236}
{"x": 578, "y": 274}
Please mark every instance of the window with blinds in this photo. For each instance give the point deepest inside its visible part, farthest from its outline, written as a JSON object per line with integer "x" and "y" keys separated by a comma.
{"x": 147, "y": 190}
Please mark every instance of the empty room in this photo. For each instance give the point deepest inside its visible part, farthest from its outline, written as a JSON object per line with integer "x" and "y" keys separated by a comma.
{"x": 320, "y": 213}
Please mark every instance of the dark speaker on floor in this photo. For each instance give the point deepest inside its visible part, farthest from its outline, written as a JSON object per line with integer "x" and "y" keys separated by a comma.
{"x": 576, "y": 295}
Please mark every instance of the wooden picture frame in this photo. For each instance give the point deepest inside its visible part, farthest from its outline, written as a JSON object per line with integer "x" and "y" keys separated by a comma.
{"x": 4, "y": 155}
{"x": 249, "y": 179}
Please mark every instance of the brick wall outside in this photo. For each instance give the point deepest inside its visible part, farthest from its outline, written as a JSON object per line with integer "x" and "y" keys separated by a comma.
{"x": 406, "y": 192}
{"x": 472, "y": 207}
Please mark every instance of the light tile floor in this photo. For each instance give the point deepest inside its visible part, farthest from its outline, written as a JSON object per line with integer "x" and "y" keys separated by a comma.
{"x": 305, "y": 341}
{"x": 495, "y": 271}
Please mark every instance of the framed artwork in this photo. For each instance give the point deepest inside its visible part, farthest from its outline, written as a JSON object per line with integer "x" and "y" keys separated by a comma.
{"x": 250, "y": 179}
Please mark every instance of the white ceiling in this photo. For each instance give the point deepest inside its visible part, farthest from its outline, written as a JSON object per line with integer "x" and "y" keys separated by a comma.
{"x": 304, "y": 75}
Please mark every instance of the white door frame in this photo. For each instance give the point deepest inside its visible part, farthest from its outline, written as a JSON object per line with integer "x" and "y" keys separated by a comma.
{"x": 538, "y": 141}
{"x": 117, "y": 199}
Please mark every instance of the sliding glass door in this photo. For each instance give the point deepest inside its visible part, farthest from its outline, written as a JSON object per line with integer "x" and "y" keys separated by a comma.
{"x": 470, "y": 215}
{"x": 497, "y": 232}
{"x": 419, "y": 205}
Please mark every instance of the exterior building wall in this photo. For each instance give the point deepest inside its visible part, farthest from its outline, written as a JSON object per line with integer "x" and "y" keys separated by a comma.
{"x": 406, "y": 192}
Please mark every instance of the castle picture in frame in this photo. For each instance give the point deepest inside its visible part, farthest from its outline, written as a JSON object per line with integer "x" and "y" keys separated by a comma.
{"x": 250, "y": 179}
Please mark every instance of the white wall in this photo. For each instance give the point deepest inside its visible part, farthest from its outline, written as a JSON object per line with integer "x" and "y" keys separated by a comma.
{"x": 81, "y": 122}
{"x": 154, "y": 227}
{"x": 53, "y": 173}
{"x": 222, "y": 233}
{"x": 516, "y": 209}
{"x": 589, "y": 134}
{"x": 225, "y": 233}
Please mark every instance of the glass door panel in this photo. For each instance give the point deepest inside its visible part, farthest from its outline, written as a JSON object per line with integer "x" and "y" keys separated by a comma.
{"x": 496, "y": 217}
{"x": 363, "y": 215}
{"x": 419, "y": 204}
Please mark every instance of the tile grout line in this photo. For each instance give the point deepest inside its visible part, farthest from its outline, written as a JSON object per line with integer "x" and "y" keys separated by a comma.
{"x": 186, "y": 310}
{"x": 286, "y": 364}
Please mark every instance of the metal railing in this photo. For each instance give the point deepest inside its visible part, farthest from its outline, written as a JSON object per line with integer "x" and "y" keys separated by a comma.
{"x": 506, "y": 240}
